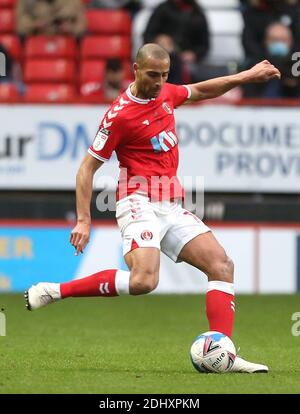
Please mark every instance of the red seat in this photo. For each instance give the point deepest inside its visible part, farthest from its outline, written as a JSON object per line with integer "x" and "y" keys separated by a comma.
{"x": 50, "y": 46}
{"x": 128, "y": 69}
{"x": 50, "y": 93}
{"x": 92, "y": 71}
{"x": 108, "y": 22}
{"x": 7, "y": 20}
{"x": 8, "y": 92}
{"x": 49, "y": 70}
{"x": 105, "y": 47}
{"x": 12, "y": 44}
{"x": 7, "y": 3}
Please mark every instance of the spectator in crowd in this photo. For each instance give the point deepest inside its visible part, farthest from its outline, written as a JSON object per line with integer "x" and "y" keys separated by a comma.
{"x": 132, "y": 6}
{"x": 33, "y": 17}
{"x": 184, "y": 28}
{"x": 259, "y": 14}
{"x": 6, "y": 73}
{"x": 50, "y": 17}
{"x": 115, "y": 81}
{"x": 179, "y": 72}
{"x": 13, "y": 71}
{"x": 69, "y": 17}
{"x": 278, "y": 47}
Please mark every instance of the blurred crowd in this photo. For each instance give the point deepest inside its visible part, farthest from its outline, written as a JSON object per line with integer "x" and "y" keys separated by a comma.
{"x": 271, "y": 31}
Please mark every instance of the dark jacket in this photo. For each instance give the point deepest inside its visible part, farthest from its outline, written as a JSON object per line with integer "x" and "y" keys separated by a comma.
{"x": 187, "y": 27}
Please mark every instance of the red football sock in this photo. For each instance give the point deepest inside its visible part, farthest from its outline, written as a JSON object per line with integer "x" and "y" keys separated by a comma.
{"x": 220, "y": 311}
{"x": 98, "y": 284}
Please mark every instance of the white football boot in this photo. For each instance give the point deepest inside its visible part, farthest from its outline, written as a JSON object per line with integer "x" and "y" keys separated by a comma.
{"x": 240, "y": 365}
{"x": 41, "y": 295}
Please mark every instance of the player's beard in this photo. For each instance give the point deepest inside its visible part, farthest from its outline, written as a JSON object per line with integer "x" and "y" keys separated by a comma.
{"x": 156, "y": 92}
{"x": 149, "y": 92}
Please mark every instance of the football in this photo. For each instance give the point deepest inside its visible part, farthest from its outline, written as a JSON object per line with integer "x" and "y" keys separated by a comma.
{"x": 213, "y": 352}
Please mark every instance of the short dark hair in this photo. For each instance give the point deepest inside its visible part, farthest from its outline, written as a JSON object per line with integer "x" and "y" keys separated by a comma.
{"x": 114, "y": 64}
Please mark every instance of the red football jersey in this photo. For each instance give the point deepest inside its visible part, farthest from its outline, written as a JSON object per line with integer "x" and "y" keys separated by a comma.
{"x": 142, "y": 133}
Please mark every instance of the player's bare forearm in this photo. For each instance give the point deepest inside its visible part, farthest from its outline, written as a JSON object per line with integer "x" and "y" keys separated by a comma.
{"x": 262, "y": 72}
{"x": 84, "y": 189}
{"x": 214, "y": 87}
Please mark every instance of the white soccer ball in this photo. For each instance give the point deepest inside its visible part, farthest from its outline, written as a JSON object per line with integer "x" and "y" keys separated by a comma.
{"x": 213, "y": 352}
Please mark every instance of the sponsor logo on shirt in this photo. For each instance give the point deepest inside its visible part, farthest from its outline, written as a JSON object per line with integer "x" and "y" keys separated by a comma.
{"x": 164, "y": 141}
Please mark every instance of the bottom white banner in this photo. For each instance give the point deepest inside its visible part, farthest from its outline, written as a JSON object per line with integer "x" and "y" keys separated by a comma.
{"x": 266, "y": 258}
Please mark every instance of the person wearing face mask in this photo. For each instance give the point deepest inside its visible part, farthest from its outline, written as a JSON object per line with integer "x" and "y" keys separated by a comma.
{"x": 278, "y": 41}
{"x": 259, "y": 14}
{"x": 278, "y": 48}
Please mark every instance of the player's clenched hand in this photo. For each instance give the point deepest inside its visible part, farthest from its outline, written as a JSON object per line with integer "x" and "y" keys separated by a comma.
{"x": 80, "y": 236}
{"x": 263, "y": 72}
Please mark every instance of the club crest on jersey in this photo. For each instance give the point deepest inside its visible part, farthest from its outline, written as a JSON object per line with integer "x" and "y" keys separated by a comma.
{"x": 146, "y": 235}
{"x": 167, "y": 108}
{"x": 100, "y": 139}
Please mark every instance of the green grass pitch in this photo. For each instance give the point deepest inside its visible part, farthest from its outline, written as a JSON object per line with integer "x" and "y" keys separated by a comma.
{"x": 141, "y": 345}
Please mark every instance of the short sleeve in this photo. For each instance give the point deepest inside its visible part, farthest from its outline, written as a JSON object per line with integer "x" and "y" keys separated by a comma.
{"x": 178, "y": 93}
{"x": 107, "y": 139}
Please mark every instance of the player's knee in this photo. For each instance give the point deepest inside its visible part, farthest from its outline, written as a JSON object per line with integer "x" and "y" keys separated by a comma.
{"x": 223, "y": 270}
{"x": 142, "y": 283}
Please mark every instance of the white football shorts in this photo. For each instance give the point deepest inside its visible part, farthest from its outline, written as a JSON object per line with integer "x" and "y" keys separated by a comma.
{"x": 165, "y": 225}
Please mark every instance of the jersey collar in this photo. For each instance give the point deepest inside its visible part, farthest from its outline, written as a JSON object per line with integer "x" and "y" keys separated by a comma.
{"x": 135, "y": 99}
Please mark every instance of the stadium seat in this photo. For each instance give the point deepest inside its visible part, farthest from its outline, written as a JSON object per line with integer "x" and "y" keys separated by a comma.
{"x": 50, "y": 46}
{"x": 225, "y": 22}
{"x": 151, "y": 4}
{"x": 220, "y": 4}
{"x": 226, "y": 27}
{"x": 12, "y": 44}
{"x": 49, "y": 70}
{"x": 226, "y": 48}
{"x": 108, "y": 22}
{"x": 128, "y": 69}
{"x": 7, "y": 3}
{"x": 92, "y": 71}
{"x": 50, "y": 93}
{"x": 138, "y": 27}
{"x": 105, "y": 47}
{"x": 7, "y": 20}
{"x": 8, "y": 92}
